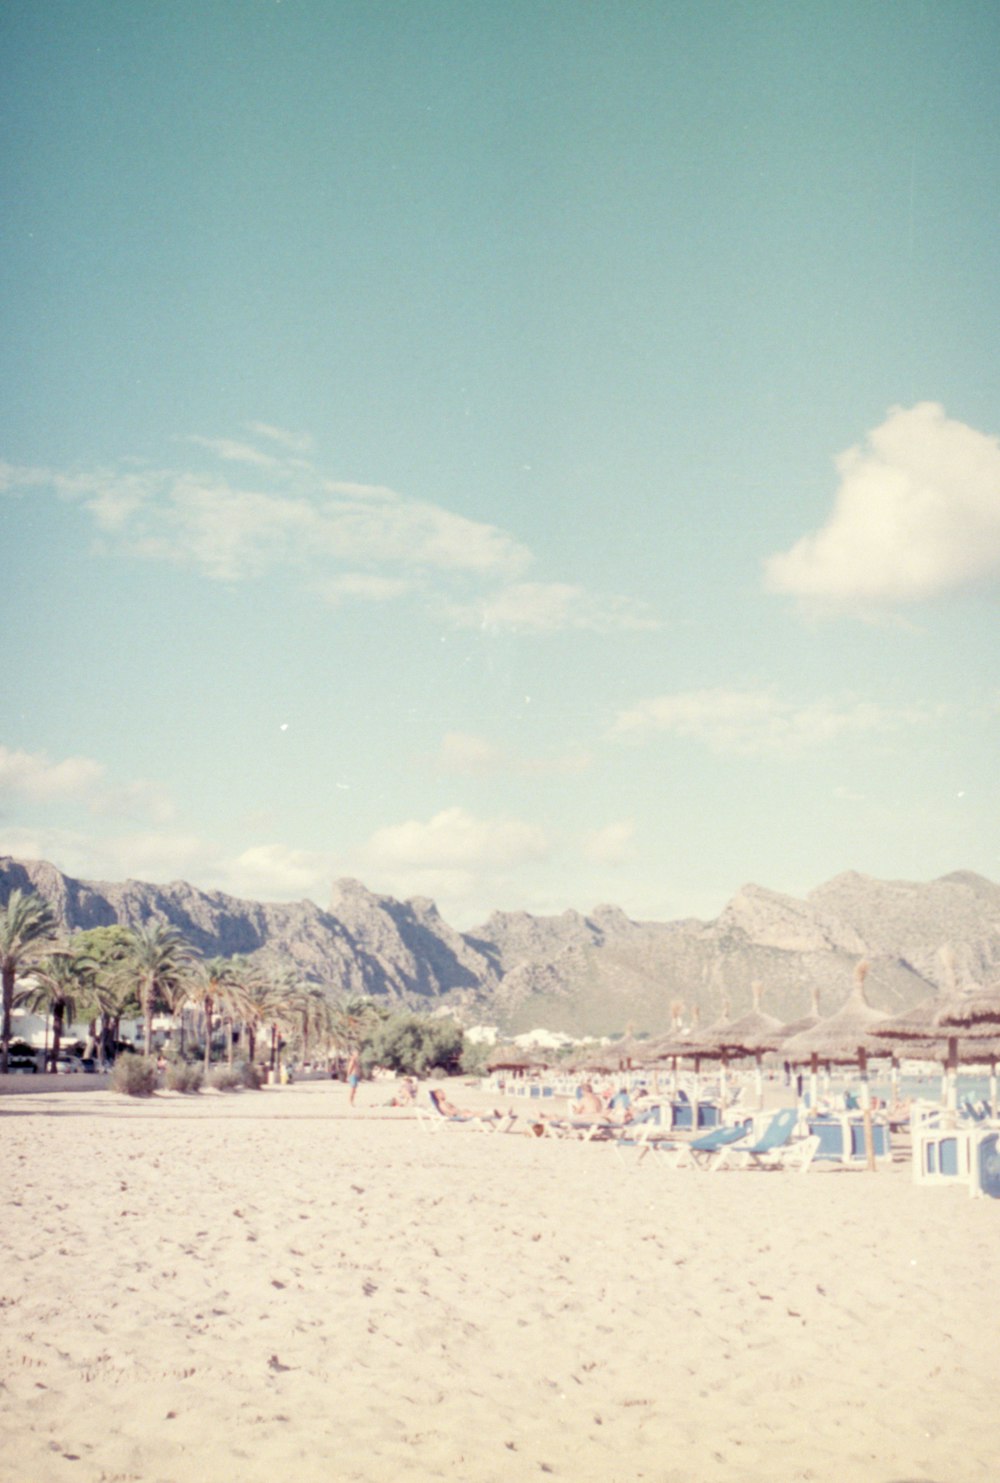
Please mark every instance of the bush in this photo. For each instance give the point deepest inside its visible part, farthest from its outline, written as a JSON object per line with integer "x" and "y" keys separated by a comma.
{"x": 249, "y": 1076}
{"x": 183, "y": 1078}
{"x": 224, "y": 1078}
{"x": 133, "y": 1076}
{"x": 475, "y": 1054}
{"x": 415, "y": 1044}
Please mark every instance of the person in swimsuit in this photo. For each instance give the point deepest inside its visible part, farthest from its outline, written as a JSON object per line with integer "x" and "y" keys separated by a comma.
{"x": 353, "y": 1074}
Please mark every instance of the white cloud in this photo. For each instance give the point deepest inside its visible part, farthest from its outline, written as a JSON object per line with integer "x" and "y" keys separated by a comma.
{"x": 230, "y": 533}
{"x": 293, "y": 442}
{"x": 234, "y": 452}
{"x": 756, "y": 721}
{"x": 34, "y": 777}
{"x": 611, "y": 845}
{"x": 152, "y": 855}
{"x": 546, "y": 607}
{"x": 277, "y": 872}
{"x": 456, "y": 839}
{"x": 369, "y": 522}
{"x": 348, "y": 540}
{"x": 31, "y": 775}
{"x": 365, "y": 587}
{"x": 465, "y": 754}
{"x": 917, "y": 513}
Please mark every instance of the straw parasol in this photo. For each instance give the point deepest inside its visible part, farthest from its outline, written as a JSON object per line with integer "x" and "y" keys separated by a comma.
{"x": 975, "y": 1012}
{"x": 805, "y": 1021}
{"x": 516, "y": 1058}
{"x": 977, "y": 1006}
{"x": 940, "y": 1022}
{"x": 670, "y": 1047}
{"x": 711, "y": 1045}
{"x": 842, "y": 1038}
{"x": 752, "y": 1034}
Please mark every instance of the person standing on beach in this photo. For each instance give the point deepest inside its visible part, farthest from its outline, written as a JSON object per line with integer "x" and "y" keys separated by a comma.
{"x": 353, "y": 1074}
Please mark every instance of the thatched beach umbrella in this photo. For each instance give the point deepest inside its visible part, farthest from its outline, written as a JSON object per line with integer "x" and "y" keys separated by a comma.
{"x": 670, "y": 1047}
{"x": 711, "y": 1045}
{"x": 919, "y": 1028}
{"x": 753, "y": 1034}
{"x": 845, "y": 1037}
{"x": 517, "y": 1059}
{"x": 796, "y": 1027}
{"x": 931, "y": 1022}
{"x": 978, "y": 1049}
{"x": 973, "y": 1012}
{"x": 976, "y": 1006}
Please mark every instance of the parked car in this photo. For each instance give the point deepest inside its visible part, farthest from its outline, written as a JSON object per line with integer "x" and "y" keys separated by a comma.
{"x": 21, "y": 1065}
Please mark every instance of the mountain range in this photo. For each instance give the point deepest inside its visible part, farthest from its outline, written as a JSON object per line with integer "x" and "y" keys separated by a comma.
{"x": 597, "y": 973}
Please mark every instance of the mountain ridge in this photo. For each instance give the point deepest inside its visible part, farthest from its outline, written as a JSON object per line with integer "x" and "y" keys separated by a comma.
{"x": 583, "y": 973}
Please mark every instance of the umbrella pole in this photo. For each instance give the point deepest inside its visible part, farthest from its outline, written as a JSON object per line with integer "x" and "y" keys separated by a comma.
{"x": 813, "y": 1081}
{"x": 993, "y": 1088}
{"x": 759, "y": 1079}
{"x": 866, "y": 1108}
{"x": 724, "y": 1082}
{"x": 951, "y": 1073}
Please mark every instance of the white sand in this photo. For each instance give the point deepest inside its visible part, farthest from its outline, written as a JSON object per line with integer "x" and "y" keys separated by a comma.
{"x": 273, "y": 1287}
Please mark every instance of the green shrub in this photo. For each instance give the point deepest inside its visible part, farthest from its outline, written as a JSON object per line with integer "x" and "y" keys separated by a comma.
{"x": 475, "y": 1054}
{"x": 183, "y": 1078}
{"x": 224, "y": 1078}
{"x": 249, "y": 1076}
{"x": 133, "y": 1076}
{"x": 414, "y": 1044}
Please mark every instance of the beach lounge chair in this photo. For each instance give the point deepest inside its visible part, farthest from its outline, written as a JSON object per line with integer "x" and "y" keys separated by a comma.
{"x": 432, "y": 1120}
{"x": 942, "y": 1155}
{"x": 842, "y": 1139}
{"x": 985, "y": 1171}
{"x": 707, "y": 1152}
{"x": 582, "y": 1129}
{"x": 644, "y": 1134}
{"x": 776, "y": 1148}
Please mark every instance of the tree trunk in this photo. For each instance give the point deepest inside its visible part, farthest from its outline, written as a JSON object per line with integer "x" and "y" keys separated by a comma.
{"x": 58, "y": 1009}
{"x": 147, "y": 1015}
{"x": 8, "y": 1001}
{"x": 208, "y": 1034}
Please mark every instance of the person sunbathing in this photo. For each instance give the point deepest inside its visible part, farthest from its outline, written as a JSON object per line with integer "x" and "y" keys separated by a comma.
{"x": 589, "y": 1104}
{"x": 442, "y": 1103}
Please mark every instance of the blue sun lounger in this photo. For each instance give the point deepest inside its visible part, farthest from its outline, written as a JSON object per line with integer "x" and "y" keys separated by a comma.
{"x": 776, "y": 1148}
{"x": 700, "y": 1153}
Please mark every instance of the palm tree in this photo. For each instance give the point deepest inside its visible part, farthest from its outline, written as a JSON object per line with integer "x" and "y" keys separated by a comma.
{"x": 353, "y": 1019}
{"x": 215, "y": 986}
{"x": 102, "y": 949}
{"x": 157, "y": 964}
{"x": 315, "y": 1015}
{"x": 242, "y": 977}
{"x": 259, "y": 1006}
{"x": 60, "y": 987}
{"x": 27, "y": 928}
{"x": 286, "y": 992}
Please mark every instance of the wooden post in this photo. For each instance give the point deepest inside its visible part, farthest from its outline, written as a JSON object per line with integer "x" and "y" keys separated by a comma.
{"x": 866, "y": 1108}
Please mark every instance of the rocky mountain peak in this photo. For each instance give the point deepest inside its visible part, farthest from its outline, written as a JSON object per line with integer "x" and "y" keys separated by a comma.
{"x": 571, "y": 972}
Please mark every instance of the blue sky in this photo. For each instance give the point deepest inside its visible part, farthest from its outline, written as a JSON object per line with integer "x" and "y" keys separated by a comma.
{"x": 528, "y": 455}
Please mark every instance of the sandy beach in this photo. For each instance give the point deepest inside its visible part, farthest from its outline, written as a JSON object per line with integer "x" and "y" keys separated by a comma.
{"x": 273, "y": 1285}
